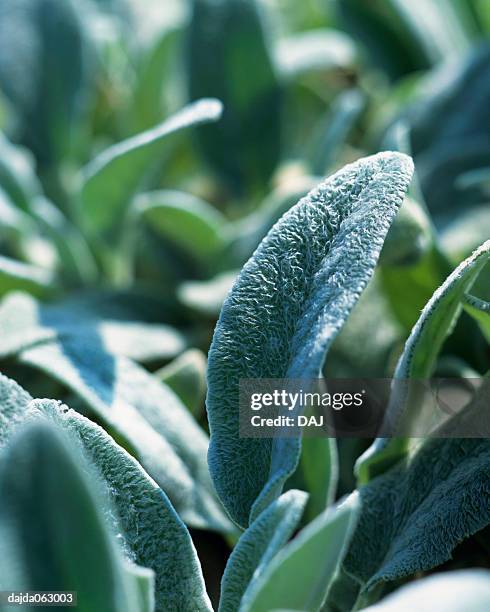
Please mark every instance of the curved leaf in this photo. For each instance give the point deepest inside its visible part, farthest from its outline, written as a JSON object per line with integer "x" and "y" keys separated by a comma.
{"x": 302, "y": 572}
{"x": 185, "y": 220}
{"x": 150, "y": 531}
{"x": 258, "y": 546}
{"x": 110, "y": 180}
{"x": 17, "y": 175}
{"x": 413, "y": 516}
{"x": 145, "y": 415}
{"x": 37, "y": 534}
{"x": 286, "y": 307}
{"x": 418, "y": 361}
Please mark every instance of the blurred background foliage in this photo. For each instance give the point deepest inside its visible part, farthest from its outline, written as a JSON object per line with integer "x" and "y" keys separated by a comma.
{"x": 121, "y": 234}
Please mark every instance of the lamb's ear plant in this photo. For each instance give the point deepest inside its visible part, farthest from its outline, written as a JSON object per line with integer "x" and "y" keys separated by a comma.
{"x": 285, "y": 309}
{"x": 136, "y": 509}
{"x": 39, "y": 466}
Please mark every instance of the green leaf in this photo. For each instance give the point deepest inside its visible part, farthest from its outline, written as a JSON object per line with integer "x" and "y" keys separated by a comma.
{"x": 301, "y": 574}
{"x": 111, "y": 179}
{"x": 145, "y": 415}
{"x": 153, "y": 534}
{"x": 186, "y": 376}
{"x": 412, "y": 265}
{"x": 258, "y": 546}
{"x": 39, "y": 536}
{"x": 44, "y": 72}
{"x": 25, "y": 322}
{"x": 418, "y": 360}
{"x": 155, "y": 76}
{"x": 318, "y": 474}
{"x": 229, "y": 58}
{"x": 249, "y": 231}
{"x": 414, "y": 515}
{"x": 147, "y": 524}
{"x": 185, "y": 221}
{"x": 285, "y": 309}
{"x": 456, "y": 591}
{"x": 480, "y": 311}
{"x": 18, "y": 276}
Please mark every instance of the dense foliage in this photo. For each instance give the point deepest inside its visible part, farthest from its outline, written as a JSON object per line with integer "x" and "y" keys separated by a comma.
{"x": 308, "y": 180}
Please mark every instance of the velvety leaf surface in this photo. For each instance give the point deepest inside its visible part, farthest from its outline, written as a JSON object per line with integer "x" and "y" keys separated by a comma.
{"x": 457, "y": 591}
{"x": 419, "y": 358}
{"x": 301, "y": 573}
{"x": 146, "y": 416}
{"x": 414, "y": 515}
{"x": 37, "y": 535}
{"x": 258, "y": 546}
{"x": 110, "y": 180}
{"x": 228, "y": 57}
{"x": 286, "y": 307}
{"x": 150, "y": 531}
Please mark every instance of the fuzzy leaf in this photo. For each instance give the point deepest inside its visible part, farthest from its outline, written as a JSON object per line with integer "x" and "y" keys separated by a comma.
{"x": 258, "y": 546}
{"x": 285, "y": 309}
{"x": 418, "y": 360}
{"x": 413, "y": 516}
{"x": 301, "y": 574}
{"x": 37, "y": 535}
{"x": 144, "y": 414}
{"x": 110, "y": 180}
{"x": 150, "y": 531}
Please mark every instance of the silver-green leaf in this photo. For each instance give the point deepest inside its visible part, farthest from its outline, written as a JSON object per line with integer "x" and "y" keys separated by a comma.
{"x": 286, "y": 307}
